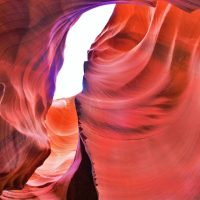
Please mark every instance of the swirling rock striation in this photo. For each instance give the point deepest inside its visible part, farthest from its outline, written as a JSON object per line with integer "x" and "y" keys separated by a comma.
{"x": 138, "y": 114}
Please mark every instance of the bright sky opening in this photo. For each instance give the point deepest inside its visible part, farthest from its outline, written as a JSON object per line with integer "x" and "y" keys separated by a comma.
{"x": 78, "y": 42}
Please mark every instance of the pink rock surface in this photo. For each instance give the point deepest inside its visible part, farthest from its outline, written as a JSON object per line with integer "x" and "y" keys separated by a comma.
{"x": 138, "y": 115}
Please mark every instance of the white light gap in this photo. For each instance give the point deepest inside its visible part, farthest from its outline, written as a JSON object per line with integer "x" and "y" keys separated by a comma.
{"x": 78, "y": 42}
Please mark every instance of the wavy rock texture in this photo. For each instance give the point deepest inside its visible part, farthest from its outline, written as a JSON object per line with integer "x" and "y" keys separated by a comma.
{"x": 138, "y": 115}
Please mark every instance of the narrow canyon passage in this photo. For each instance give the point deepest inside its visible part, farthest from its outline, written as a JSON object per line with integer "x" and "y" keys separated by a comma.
{"x": 133, "y": 130}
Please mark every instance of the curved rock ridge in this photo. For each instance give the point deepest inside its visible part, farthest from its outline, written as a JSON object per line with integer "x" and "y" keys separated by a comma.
{"x": 51, "y": 179}
{"x": 140, "y": 106}
{"x": 137, "y": 129}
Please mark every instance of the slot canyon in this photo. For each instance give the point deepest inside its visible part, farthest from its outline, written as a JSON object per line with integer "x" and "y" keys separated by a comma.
{"x": 132, "y": 133}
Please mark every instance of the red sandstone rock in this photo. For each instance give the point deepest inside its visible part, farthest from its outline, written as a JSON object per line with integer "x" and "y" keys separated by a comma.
{"x": 138, "y": 114}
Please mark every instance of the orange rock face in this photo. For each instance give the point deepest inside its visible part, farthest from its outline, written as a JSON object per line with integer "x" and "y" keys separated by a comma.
{"x": 134, "y": 131}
